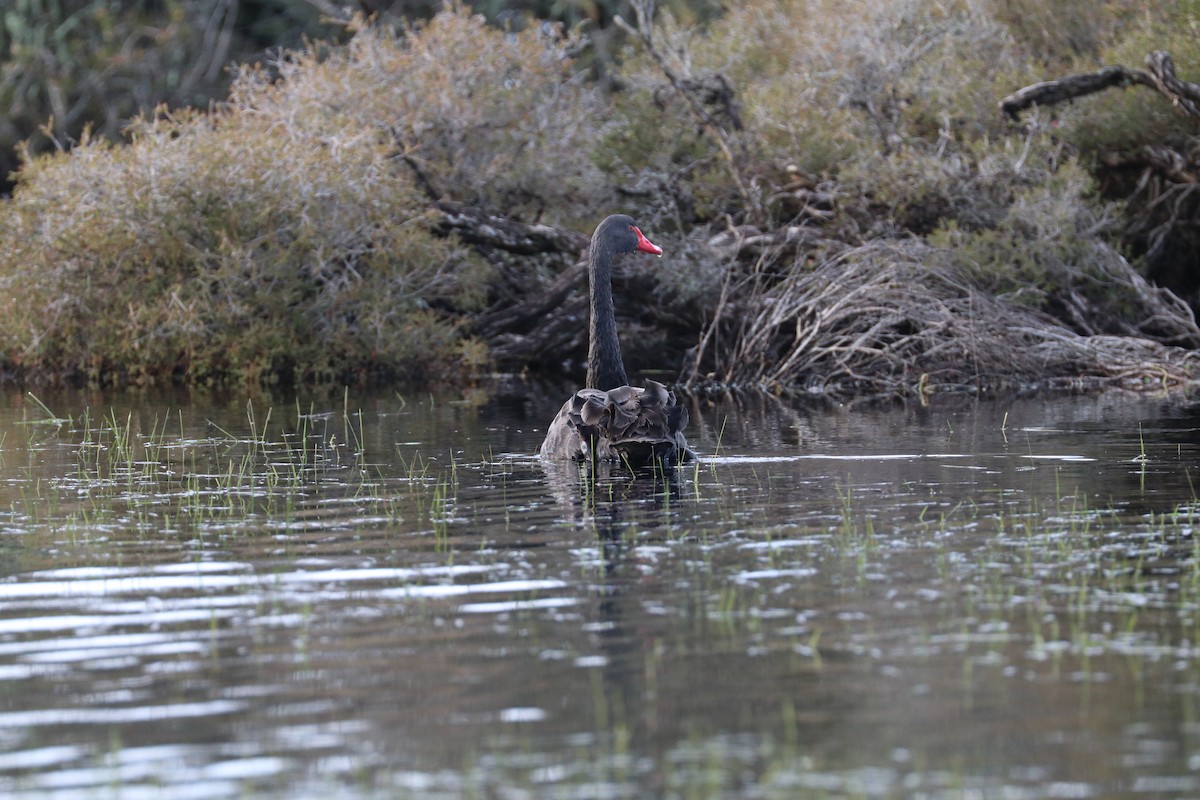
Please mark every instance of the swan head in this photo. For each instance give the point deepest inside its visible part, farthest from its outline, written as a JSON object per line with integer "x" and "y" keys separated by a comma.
{"x": 619, "y": 234}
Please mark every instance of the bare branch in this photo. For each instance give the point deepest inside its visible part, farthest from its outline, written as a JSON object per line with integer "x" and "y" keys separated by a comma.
{"x": 1048, "y": 93}
{"x": 690, "y": 88}
{"x": 1159, "y": 75}
{"x": 1164, "y": 160}
{"x": 479, "y": 227}
{"x": 1183, "y": 94}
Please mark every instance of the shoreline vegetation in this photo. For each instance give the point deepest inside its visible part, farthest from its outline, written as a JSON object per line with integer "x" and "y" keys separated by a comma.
{"x": 855, "y": 200}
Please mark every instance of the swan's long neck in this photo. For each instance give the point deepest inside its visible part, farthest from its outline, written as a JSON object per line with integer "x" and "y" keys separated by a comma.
{"x": 605, "y": 368}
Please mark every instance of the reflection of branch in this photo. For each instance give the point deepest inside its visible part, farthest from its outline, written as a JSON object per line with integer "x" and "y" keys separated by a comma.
{"x": 687, "y": 86}
{"x": 1158, "y": 75}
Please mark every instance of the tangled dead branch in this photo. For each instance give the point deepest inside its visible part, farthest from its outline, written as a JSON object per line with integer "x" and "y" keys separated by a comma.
{"x": 800, "y": 313}
{"x": 1157, "y": 179}
{"x": 1158, "y": 75}
{"x": 881, "y": 320}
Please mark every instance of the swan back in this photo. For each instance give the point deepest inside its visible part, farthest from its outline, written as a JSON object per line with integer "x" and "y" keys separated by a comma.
{"x": 634, "y": 425}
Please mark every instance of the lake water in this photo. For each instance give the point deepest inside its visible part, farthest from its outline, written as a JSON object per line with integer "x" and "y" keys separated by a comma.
{"x": 381, "y": 595}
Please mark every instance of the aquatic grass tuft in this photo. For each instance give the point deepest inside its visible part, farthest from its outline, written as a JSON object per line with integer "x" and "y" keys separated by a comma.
{"x": 48, "y": 417}
{"x": 149, "y": 475}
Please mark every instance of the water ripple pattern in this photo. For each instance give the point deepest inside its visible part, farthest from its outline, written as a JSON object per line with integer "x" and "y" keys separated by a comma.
{"x": 392, "y": 597}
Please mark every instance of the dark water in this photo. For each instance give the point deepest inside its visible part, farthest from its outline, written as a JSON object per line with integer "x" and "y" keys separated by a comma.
{"x": 370, "y": 595}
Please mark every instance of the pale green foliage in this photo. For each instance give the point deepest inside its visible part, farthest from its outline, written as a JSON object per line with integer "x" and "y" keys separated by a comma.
{"x": 1044, "y": 239}
{"x": 491, "y": 119}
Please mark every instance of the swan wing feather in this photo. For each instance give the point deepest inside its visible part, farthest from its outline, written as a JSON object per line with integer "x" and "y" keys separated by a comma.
{"x": 629, "y": 423}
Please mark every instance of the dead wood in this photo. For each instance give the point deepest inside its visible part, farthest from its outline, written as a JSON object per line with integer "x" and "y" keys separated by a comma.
{"x": 1049, "y": 93}
{"x": 1158, "y": 75}
{"x": 747, "y": 242}
{"x": 879, "y": 320}
{"x": 502, "y": 233}
{"x": 543, "y": 324}
{"x": 1163, "y": 160}
{"x": 529, "y": 320}
{"x": 536, "y": 317}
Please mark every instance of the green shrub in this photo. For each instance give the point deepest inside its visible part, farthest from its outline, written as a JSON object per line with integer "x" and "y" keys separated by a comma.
{"x": 280, "y": 237}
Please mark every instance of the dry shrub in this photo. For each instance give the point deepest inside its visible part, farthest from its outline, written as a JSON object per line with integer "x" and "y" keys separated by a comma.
{"x": 920, "y": 190}
{"x": 914, "y": 72}
{"x": 773, "y": 117}
{"x": 488, "y": 118}
{"x": 213, "y": 245}
{"x": 280, "y": 237}
{"x": 823, "y": 90}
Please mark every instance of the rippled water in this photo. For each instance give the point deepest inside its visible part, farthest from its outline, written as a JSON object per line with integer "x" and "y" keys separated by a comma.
{"x": 370, "y": 595}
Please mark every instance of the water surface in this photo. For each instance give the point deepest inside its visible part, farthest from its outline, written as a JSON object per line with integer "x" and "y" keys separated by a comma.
{"x": 384, "y": 595}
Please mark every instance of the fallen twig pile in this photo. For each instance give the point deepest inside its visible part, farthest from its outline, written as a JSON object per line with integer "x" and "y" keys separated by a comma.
{"x": 884, "y": 320}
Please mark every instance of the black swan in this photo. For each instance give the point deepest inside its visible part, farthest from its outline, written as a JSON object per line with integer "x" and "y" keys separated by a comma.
{"x": 610, "y": 420}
